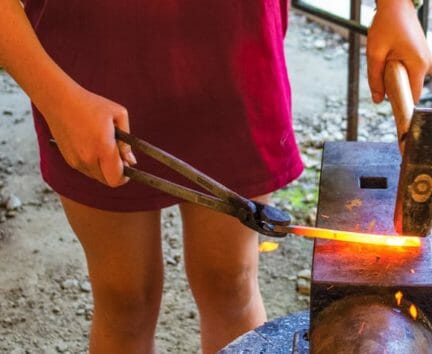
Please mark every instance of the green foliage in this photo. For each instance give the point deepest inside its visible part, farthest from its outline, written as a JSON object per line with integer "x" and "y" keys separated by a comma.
{"x": 299, "y": 197}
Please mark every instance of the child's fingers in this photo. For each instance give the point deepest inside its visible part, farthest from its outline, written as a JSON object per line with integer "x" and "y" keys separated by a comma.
{"x": 111, "y": 165}
{"x": 376, "y": 65}
{"x": 121, "y": 121}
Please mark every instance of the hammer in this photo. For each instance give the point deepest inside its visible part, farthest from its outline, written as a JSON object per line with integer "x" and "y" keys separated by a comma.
{"x": 413, "y": 209}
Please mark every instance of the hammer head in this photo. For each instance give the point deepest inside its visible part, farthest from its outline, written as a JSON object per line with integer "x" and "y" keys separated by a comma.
{"x": 413, "y": 210}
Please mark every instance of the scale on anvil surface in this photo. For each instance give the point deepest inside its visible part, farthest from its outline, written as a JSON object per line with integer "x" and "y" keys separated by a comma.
{"x": 357, "y": 192}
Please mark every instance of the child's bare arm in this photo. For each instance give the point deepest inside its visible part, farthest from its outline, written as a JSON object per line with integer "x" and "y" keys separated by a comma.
{"x": 81, "y": 122}
{"x": 396, "y": 34}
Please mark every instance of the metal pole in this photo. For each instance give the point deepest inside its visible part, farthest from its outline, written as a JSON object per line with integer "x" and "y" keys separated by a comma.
{"x": 424, "y": 15}
{"x": 332, "y": 18}
{"x": 353, "y": 74}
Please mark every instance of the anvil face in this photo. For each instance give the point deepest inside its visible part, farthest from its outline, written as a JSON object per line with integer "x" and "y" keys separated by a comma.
{"x": 357, "y": 193}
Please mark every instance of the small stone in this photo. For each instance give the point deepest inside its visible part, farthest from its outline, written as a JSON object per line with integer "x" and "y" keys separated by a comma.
{"x": 168, "y": 224}
{"x": 320, "y": 44}
{"x": 22, "y": 301}
{"x": 303, "y": 298}
{"x": 47, "y": 189}
{"x": 56, "y": 310}
{"x": 61, "y": 347}
{"x": 88, "y": 307}
{"x": 303, "y": 286}
{"x": 80, "y": 312}
{"x": 174, "y": 242}
{"x": 305, "y": 274}
{"x": 13, "y": 202}
{"x": 85, "y": 286}
{"x": 19, "y": 120}
{"x": 69, "y": 283}
{"x": 170, "y": 260}
{"x": 10, "y": 214}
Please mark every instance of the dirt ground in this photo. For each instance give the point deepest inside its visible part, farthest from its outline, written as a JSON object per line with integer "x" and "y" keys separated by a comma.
{"x": 45, "y": 298}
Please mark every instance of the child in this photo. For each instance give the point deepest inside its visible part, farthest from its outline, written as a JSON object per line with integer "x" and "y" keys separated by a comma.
{"x": 205, "y": 81}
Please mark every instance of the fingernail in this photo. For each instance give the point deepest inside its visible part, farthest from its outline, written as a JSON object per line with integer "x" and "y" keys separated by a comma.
{"x": 131, "y": 158}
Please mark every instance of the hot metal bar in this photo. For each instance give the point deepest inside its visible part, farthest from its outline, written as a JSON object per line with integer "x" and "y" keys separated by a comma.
{"x": 349, "y": 236}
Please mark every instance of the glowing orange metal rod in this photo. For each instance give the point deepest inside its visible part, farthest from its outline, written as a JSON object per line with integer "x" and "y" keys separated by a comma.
{"x": 348, "y": 236}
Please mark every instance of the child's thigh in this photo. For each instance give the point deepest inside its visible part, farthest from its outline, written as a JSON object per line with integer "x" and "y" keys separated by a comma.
{"x": 123, "y": 250}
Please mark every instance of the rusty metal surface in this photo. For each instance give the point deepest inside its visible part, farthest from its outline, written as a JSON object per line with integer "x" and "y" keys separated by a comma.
{"x": 413, "y": 211}
{"x": 342, "y": 269}
{"x": 369, "y": 324}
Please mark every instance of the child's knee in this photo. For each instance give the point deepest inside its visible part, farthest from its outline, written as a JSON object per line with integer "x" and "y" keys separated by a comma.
{"x": 224, "y": 285}
{"x": 127, "y": 306}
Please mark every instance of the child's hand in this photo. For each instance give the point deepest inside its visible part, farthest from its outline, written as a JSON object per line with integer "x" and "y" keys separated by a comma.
{"x": 396, "y": 34}
{"x": 83, "y": 126}
{"x": 81, "y": 122}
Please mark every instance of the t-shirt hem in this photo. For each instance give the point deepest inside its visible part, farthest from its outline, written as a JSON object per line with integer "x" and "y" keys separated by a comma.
{"x": 162, "y": 200}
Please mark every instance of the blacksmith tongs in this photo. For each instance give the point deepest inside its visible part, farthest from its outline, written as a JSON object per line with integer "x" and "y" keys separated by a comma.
{"x": 257, "y": 216}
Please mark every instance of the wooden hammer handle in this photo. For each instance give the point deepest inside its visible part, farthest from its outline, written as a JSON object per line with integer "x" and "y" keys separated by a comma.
{"x": 399, "y": 93}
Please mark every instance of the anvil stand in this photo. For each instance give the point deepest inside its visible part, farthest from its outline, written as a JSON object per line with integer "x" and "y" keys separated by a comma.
{"x": 357, "y": 192}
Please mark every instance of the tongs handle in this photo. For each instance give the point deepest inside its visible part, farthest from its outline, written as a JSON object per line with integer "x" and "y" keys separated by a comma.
{"x": 259, "y": 217}
{"x": 399, "y": 93}
{"x": 186, "y": 170}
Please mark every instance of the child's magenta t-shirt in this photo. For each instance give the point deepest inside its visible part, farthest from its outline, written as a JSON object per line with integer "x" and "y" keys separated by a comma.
{"x": 203, "y": 80}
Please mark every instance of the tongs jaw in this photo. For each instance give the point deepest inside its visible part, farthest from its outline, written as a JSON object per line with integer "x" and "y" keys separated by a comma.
{"x": 257, "y": 216}
{"x": 262, "y": 218}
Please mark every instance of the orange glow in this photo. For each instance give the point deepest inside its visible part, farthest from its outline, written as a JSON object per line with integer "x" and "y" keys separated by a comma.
{"x": 268, "y": 246}
{"x": 348, "y": 236}
{"x": 398, "y": 297}
{"x": 413, "y": 312}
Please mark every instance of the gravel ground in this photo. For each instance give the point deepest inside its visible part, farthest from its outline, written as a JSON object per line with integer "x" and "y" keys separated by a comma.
{"x": 45, "y": 296}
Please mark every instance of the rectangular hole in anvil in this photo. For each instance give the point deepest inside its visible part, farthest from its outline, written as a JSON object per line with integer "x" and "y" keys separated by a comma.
{"x": 373, "y": 182}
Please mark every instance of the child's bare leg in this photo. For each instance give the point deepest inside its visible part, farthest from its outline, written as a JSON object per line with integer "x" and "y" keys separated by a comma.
{"x": 124, "y": 258}
{"x": 221, "y": 258}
